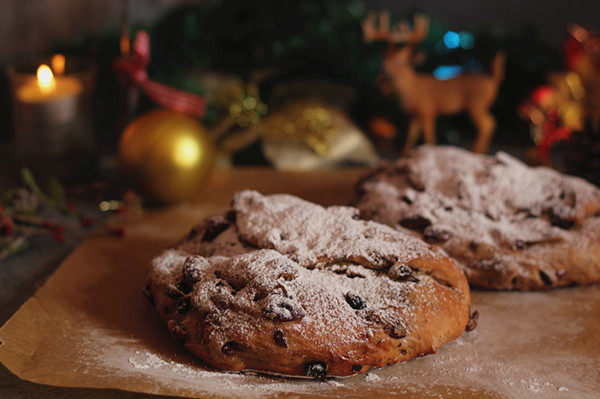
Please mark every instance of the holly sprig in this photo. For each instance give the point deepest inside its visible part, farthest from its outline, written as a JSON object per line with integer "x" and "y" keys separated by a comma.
{"x": 28, "y": 210}
{"x": 23, "y": 210}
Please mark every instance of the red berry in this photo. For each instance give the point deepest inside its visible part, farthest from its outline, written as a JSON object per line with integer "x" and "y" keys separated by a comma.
{"x": 85, "y": 221}
{"x": 59, "y": 237}
{"x": 59, "y": 229}
{"x": 7, "y": 225}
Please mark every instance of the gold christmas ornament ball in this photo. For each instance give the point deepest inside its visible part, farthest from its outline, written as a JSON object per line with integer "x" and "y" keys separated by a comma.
{"x": 167, "y": 156}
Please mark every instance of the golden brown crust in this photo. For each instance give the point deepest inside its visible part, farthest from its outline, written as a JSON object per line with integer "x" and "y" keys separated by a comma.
{"x": 508, "y": 226}
{"x": 569, "y": 262}
{"x": 322, "y": 302}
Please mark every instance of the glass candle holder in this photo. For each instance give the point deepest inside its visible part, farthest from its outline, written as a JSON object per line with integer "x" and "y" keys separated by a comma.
{"x": 52, "y": 107}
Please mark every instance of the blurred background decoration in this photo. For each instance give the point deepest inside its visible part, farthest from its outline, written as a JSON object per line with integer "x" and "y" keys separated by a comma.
{"x": 448, "y": 90}
{"x": 166, "y": 156}
{"x": 99, "y": 98}
{"x": 569, "y": 103}
{"x": 294, "y": 86}
{"x": 52, "y": 114}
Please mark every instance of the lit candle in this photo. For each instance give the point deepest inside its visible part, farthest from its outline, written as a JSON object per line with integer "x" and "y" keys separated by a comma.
{"x": 58, "y": 64}
{"x": 45, "y": 87}
{"x": 52, "y": 111}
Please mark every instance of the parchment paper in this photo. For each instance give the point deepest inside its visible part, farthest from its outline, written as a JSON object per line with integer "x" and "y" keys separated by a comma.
{"x": 89, "y": 325}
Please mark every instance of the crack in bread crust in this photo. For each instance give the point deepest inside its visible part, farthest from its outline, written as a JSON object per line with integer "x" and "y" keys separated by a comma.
{"x": 344, "y": 295}
{"x": 507, "y": 225}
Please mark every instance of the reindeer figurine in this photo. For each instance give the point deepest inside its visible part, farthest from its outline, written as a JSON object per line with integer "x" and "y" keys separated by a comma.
{"x": 421, "y": 95}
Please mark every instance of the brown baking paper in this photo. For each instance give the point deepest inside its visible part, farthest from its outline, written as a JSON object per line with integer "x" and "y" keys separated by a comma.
{"x": 89, "y": 325}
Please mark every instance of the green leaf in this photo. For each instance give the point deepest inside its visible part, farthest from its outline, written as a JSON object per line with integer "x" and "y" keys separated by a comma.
{"x": 56, "y": 191}
{"x": 29, "y": 182}
{"x": 14, "y": 247}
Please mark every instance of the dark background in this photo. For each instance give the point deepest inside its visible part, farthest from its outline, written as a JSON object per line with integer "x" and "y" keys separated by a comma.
{"x": 33, "y": 26}
{"x": 531, "y": 32}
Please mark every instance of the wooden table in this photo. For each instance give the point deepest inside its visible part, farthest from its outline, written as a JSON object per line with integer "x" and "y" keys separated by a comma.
{"x": 544, "y": 344}
{"x": 23, "y": 275}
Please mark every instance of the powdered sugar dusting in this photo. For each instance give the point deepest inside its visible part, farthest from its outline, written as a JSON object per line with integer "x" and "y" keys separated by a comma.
{"x": 291, "y": 225}
{"x": 487, "y": 199}
{"x": 279, "y": 258}
{"x": 480, "y": 207}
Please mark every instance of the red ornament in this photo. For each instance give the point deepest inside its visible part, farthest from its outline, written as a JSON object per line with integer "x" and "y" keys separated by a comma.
{"x": 382, "y": 127}
{"x": 552, "y": 133}
{"x": 542, "y": 95}
{"x": 573, "y": 51}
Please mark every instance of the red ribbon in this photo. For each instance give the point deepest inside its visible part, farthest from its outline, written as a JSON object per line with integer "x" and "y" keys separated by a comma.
{"x": 135, "y": 68}
{"x": 551, "y": 134}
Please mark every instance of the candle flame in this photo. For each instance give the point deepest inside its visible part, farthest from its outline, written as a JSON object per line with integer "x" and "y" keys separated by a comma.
{"x": 124, "y": 45}
{"x": 45, "y": 78}
{"x": 58, "y": 64}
